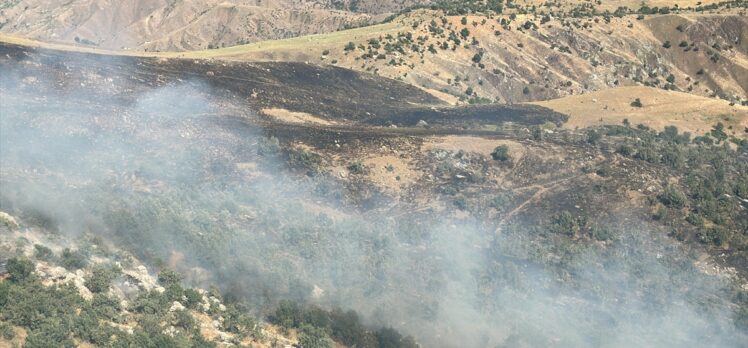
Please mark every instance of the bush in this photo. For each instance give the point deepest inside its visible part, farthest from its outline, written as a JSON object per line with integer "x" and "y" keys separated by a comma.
{"x": 673, "y": 197}
{"x": 593, "y": 136}
{"x": 716, "y": 235}
{"x": 43, "y": 253}
{"x": 193, "y": 298}
{"x": 100, "y": 279}
{"x": 357, "y": 168}
{"x": 695, "y": 219}
{"x": 626, "y": 150}
{"x": 6, "y": 331}
{"x": 20, "y": 268}
{"x": 344, "y": 327}
{"x": 168, "y": 277}
{"x": 313, "y": 337}
{"x": 537, "y": 133}
{"x": 268, "y": 146}
{"x": 600, "y": 233}
{"x": 388, "y": 337}
{"x": 565, "y": 223}
{"x": 637, "y": 103}
{"x": 73, "y": 259}
{"x": 477, "y": 57}
{"x": 501, "y": 153}
{"x": 32, "y": 305}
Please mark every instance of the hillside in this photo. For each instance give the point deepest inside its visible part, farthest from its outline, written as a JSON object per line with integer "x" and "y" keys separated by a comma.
{"x": 165, "y": 25}
{"x": 98, "y": 291}
{"x": 465, "y": 173}
{"x": 506, "y": 63}
{"x": 526, "y": 53}
{"x": 342, "y": 191}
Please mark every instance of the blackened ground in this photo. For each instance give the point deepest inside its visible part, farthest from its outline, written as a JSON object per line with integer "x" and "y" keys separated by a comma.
{"x": 331, "y": 93}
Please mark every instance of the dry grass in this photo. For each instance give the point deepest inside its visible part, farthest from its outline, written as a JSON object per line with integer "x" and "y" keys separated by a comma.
{"x": 284, "y": 115}
{"x": 391, "y": 172}
{"x": 482, "y": 146}
{"x": 661, "y": 108}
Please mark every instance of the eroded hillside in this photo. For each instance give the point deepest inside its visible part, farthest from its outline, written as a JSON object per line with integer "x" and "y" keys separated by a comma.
{"x": 184, "y": 25}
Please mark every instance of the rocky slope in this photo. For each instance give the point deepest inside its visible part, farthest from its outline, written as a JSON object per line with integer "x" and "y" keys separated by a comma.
{"x": 95, "y": 279}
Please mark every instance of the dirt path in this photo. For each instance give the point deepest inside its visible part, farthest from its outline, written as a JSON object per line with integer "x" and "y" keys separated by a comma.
{"x": 541, "y": 190}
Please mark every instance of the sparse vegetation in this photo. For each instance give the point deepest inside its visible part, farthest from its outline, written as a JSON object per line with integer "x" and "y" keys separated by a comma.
{"x": 391, "y": 199}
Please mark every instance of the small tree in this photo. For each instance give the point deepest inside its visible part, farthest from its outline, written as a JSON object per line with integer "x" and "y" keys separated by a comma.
{"x": 20, "y": 268}
{"x": 637, "y": 103}
{"x": 537, "y": 133}
{"x": 565, "y": 224}
{"x": 477, "y": 57}
{"x": 100, "y": 279}
{"x": 168, "y": 277}
{"x": 314, "y": 337}
{"x": 501, "y": 153}
{"x": 673, "y": 197}
{"x": 718, "y": 132}
{"x": 593, "y": 136}
{"x": 73, "y": 259}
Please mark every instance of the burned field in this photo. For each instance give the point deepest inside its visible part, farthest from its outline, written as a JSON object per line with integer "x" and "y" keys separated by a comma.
{"x": 326, "y": 186}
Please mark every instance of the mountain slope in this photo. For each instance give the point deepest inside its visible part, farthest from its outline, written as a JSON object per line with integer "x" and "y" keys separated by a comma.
{"x": 567, "y": 56}
{"x": 184, "y": 25}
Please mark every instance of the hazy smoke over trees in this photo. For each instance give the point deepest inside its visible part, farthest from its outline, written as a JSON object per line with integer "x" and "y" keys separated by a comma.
{"x": 167, "y": 174}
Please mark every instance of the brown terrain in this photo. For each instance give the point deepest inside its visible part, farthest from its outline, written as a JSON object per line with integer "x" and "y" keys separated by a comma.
{"x": 392, "y": 170}
{"x": 167, "y": 25}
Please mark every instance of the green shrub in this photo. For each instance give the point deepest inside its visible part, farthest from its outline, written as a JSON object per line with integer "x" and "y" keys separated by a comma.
{"x": 20, "y": 268}
{"x": 73, "y": 259}
{"x": 565, "y": 223}
{"x": 695, "y": 219}
{"x": 43, "y": 253}
{"x": 6, "y": 331}
{"x": 600, "y": 233}
{"x": 314, "y": 337}
{"x": 673, "y": 197}
{"x": 100, "y": 278}
{"x": 357, "y": 168}
{"x": 626, "y": 150}
{"x": 168, "y": 277}
{"x": 593, "y": 136}
{"x": 501, "y": 153}
{"x": 637, "y": 103}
